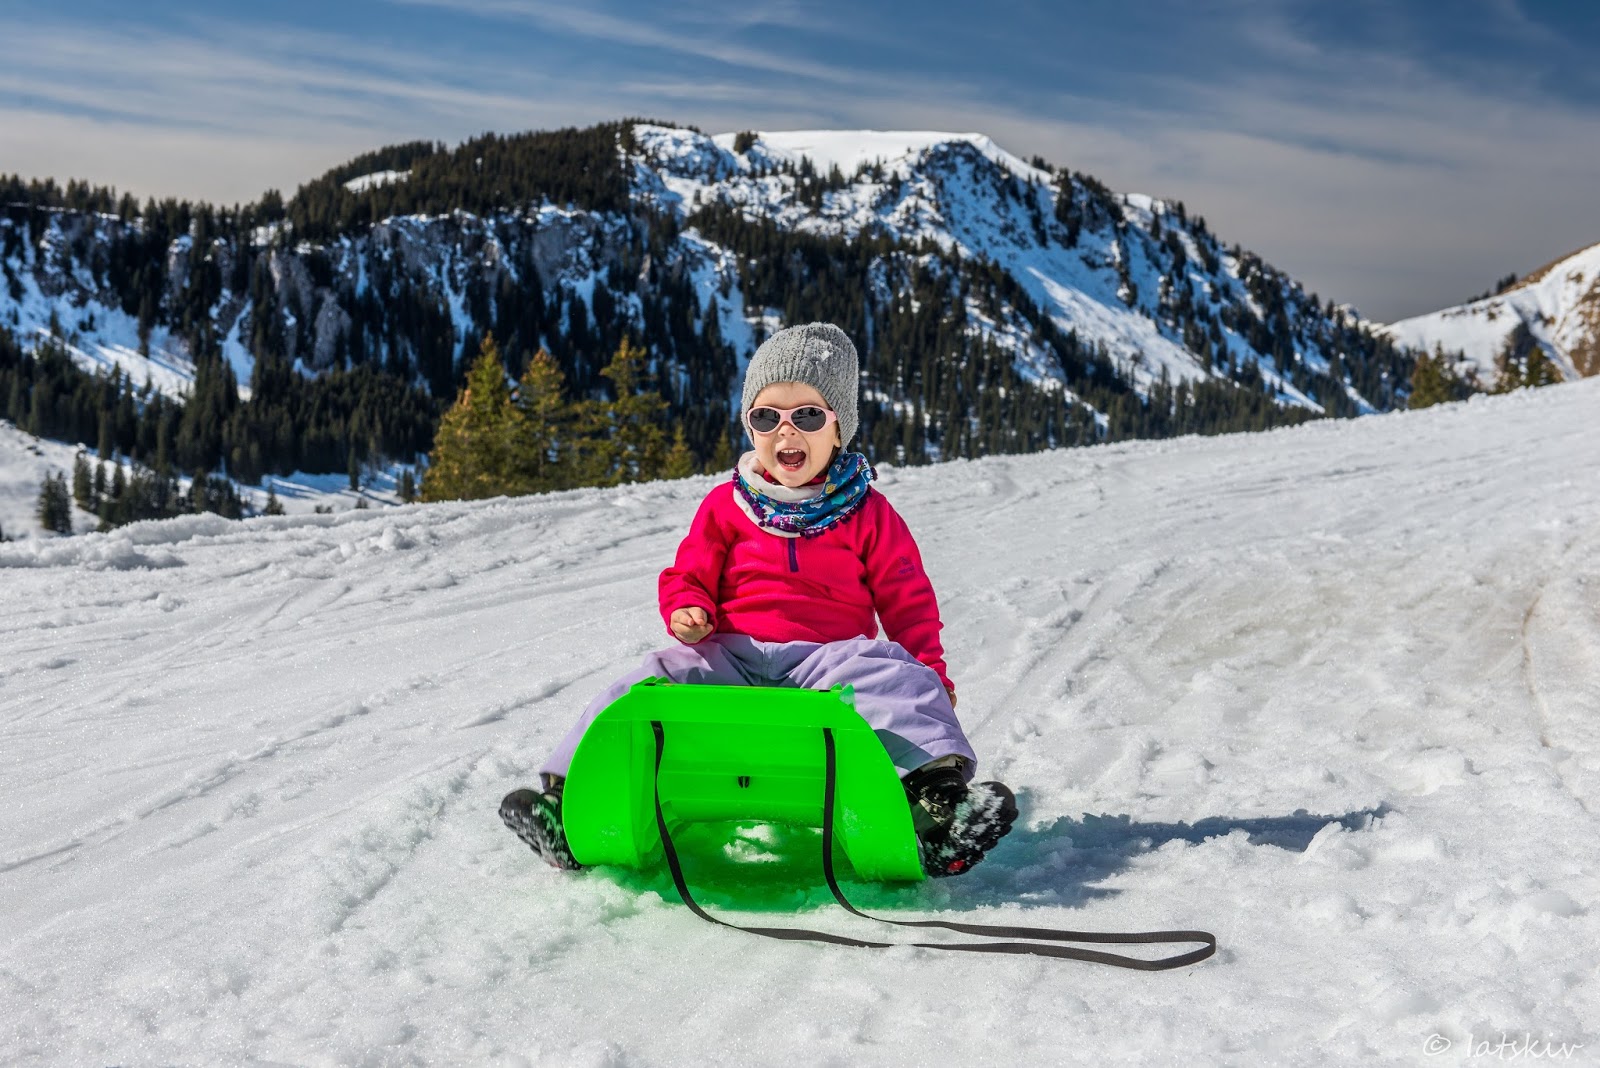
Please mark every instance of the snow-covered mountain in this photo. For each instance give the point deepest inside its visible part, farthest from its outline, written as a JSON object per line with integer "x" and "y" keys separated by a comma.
{"x": 966, "y": 195}
{"x": 1083, "y": 290}
{"x": 1327, "y": 691}
{"x": 1558, "y": 306}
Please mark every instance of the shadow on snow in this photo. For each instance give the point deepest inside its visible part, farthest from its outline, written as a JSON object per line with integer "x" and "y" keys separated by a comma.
{"x": 767, "y": 868}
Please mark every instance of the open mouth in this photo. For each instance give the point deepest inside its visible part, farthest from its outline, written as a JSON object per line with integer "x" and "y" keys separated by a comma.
{"x": 791, "y": 459}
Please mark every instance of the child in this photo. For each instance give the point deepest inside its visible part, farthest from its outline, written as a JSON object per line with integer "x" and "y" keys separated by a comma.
{"x": 782, "y": 580}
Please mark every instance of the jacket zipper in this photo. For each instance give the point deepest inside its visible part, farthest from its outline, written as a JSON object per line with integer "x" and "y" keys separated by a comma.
{"x": 794, "y": 559}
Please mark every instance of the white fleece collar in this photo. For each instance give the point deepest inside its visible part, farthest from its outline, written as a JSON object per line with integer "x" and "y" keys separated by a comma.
{"x": 750, "y": 471}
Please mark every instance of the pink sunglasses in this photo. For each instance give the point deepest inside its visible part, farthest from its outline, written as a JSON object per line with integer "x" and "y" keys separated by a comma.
{"x": 808, "y": 418}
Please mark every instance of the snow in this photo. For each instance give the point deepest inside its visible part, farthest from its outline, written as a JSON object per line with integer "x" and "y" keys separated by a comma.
{"x": 168, "y": 374}
{"x": 1327, "y": 692}
{"x": 1560, "y": 306}
{"x": 375, "y": 179}
{"x": 851, "y": 149}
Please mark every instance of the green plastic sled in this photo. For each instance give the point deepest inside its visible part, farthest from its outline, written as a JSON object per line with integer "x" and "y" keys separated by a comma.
{"x": 734, "y": 753}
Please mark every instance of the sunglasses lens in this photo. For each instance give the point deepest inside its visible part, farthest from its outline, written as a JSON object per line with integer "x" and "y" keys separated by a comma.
{"x": 810, "y": 420}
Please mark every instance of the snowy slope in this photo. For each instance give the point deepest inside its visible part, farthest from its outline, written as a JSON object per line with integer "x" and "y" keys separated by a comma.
{"x": 1328, "y": 692}
{"x": 25, "y": 461}
{"x": 1559, "y": 304}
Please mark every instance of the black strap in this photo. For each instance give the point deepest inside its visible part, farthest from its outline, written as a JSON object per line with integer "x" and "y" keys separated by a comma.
{"x": 786, "y": 933}
{"x": 1208, "y": 940}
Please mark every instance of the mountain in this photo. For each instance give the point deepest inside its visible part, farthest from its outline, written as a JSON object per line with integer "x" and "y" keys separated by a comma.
{"x": 1328, "y": 692}
{"x": 1000, "y": 306}
{"x": 1126, "y": 274}
{"x": 1555, "y": 310}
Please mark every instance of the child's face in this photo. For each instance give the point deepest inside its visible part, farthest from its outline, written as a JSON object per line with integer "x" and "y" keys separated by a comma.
{"x": 792, "y": 456}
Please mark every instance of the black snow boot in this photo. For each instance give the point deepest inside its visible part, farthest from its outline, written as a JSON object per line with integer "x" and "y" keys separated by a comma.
{"x": 956, "y": 824}
{"x": 536, "y": 819}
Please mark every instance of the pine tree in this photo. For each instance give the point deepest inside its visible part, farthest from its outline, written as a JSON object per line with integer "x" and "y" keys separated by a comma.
{"x": 212, "y": 400}
{"x": 625, "y": 441}
{"x": 1540, "y": 371}
{"x": 104, "y": 444}
{"x": 547, "y": 447}
{"x": 55, "y": 504}
{"x": 1434, "y": 382}
{"x": 475, "y": 452}
{"x": 274, "y": 506}
{"x": 722, "y": 458}
{"x": 679, "y": 461}
{"x": 82, "y": 483}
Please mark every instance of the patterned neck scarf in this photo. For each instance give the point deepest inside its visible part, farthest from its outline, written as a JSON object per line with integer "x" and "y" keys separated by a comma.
{"x": 804, "y": 511}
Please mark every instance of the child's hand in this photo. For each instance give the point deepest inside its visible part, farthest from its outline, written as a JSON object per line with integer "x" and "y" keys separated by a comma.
{"x": 690, "y": 624}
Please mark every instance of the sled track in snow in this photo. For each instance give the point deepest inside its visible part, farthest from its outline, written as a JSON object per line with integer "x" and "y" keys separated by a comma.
{"x": 1537, "y": 697}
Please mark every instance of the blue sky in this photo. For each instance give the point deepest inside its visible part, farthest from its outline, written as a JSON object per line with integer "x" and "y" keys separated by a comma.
{"x": 1400, "y": 156}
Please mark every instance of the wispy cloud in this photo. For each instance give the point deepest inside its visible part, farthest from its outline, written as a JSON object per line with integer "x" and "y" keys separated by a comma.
{"x": 641, "y": 30}
{"x": 222, "y": 110}
{"x": 232, "y": 76}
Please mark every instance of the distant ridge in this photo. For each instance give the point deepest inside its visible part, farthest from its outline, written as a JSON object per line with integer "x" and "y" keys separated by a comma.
{"x": 1556, "y": 308}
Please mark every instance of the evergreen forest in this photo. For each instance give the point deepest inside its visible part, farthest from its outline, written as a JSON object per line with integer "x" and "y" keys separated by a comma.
{"x": 366, "y": 308}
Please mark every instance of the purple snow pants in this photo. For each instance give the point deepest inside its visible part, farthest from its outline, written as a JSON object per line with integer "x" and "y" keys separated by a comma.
{"x": 900, "y": 697}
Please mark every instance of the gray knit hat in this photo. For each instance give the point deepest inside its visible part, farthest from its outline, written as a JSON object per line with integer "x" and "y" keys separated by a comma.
{"x": 818, "y": 354}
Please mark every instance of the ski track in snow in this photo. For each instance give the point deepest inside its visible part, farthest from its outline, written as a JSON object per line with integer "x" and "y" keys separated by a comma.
{"x": 1328, "y": 692}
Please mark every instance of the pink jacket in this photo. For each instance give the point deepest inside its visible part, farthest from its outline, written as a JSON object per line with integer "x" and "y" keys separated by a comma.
{"x": 829, "y": 588}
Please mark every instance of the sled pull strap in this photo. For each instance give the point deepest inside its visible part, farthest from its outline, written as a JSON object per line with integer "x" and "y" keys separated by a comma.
{"x": 1044, "y": 934}
{"x": 793, "y": 934}
{"x": 788, "y": 934}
